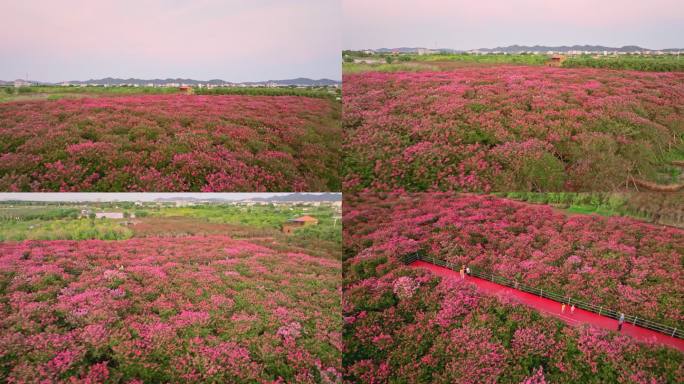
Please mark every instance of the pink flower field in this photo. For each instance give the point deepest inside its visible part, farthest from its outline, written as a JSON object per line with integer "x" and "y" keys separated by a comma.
{"x": 170, "y": 143}
{"x": 188, "y": 309}
{"x": 409, "y": 325}
{"x": 512, "y": 128}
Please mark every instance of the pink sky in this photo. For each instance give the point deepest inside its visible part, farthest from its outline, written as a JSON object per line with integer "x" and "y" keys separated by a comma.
{"x": 468, "y": 24}
{"x": 236, "y": 40}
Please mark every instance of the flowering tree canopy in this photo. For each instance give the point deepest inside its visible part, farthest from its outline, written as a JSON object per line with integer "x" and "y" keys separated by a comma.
{"x": 510, "y": 128}
{"x": 446, "y": 331}
{"x": 226, "y": 143}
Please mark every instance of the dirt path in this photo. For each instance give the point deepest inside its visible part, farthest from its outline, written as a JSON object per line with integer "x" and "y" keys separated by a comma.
{"x": 553, "y": 308}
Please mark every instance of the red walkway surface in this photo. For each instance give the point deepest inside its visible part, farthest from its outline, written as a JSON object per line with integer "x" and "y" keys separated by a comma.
{"x": 553, "y": 308}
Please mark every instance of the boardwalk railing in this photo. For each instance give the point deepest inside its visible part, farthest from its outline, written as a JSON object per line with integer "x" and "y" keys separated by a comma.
{"x": 601, "y": 310}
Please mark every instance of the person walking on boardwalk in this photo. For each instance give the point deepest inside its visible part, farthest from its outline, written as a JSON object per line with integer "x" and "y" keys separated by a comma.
{"x": 572, "y": 309}
{"x": 462, "y": 272}
{"x": 563, "y": 308}
{"x": 620, "y": 321}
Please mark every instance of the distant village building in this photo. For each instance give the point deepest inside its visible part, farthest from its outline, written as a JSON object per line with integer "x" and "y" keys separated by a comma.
{"x": 425, "y": 51}
{"x": 21, "y": 83}
{"x": 109, "y": 215}
{"x": 367, "y": 61}
{"x": 105, "y": 215}
{"x": 303, "y": 221}
{"x": 556, "y": 61}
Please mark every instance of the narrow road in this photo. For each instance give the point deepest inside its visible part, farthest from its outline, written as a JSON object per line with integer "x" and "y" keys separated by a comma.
{"x": 553, "y": 308}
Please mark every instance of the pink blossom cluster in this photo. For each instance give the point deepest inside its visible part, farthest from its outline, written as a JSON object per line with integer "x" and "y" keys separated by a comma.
{"x": 170, "y": 143}
{"x": 292, "y": 330}
{"x": 509, "y": 128}
{"x": 536, "y": 378}
{"x": 456, "y": 302}
{"x": 167, "y": 309}
{"x": 404, "y": 287}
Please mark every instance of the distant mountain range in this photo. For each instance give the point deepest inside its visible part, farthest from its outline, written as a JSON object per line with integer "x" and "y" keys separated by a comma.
{"x": 568, "y": 48}
{"x": 300, "y": 81}
{"x": 284, "y": 198}
{"x": 411, "y": 50}
{"x": 527, "y": 48}
{"x": 295, "y": 197}
{"x": 289, "y": 198}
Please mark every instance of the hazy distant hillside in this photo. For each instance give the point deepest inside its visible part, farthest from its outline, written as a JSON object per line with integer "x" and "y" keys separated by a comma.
{"x": 328, "y": 196}
{"x": 291, "y": 197}
{"x": 300, "y": 81}
{"x": 527, "y": 48}
{"x": 567, "y": 48}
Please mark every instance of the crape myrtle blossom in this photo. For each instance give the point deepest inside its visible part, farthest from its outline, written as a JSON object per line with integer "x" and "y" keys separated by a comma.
{"x": 166, "y": 310}
{"x": 217, "y": 143}
{"x": 617, "y": 262}
{"x": 536, "y": 378}
{"x": 404, "y": 287}
{"x": 509, "y": 128}
{"x": 447, "y": 331}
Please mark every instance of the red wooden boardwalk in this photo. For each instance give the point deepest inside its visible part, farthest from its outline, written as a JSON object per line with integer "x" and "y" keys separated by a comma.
{"x": 553, "y": 308}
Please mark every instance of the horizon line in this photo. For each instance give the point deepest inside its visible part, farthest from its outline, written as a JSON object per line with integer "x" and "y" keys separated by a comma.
{"x": 146, "y": 196}
{"x": 178, "y": 78}
{"x": 512, "y": 45}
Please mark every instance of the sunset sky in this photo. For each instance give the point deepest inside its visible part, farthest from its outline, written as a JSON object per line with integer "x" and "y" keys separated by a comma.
{"x": 233, "y": 40}
{"x": 251, "y": 40}
{"x": 468, "y": 24}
